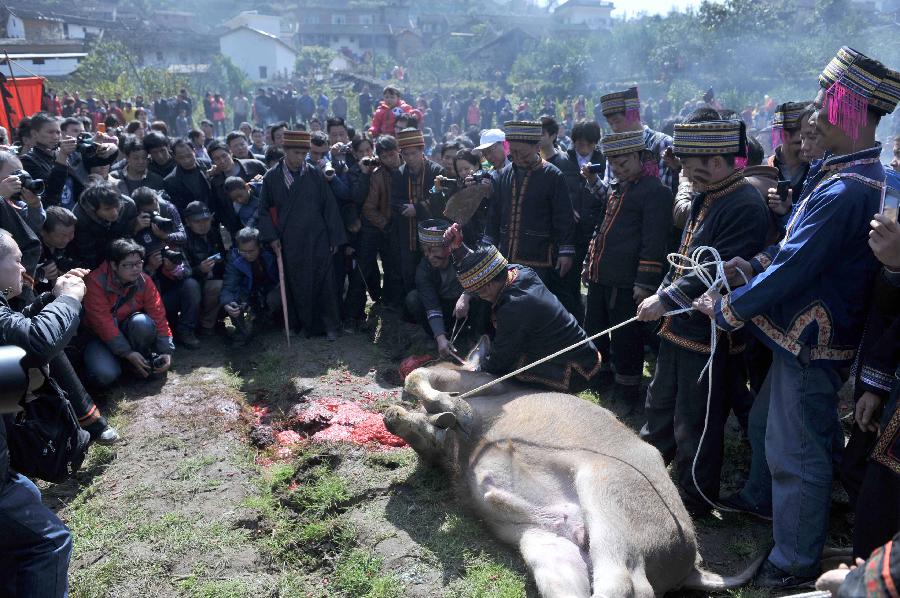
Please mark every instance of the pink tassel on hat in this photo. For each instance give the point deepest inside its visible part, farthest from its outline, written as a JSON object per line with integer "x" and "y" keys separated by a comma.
{"x": 777, "y": 137}
{"x": 740, "y": 163}
{"x": 847, "y": 109}
{"x": 651, "y": 168}
{"x": 633, "y": 115}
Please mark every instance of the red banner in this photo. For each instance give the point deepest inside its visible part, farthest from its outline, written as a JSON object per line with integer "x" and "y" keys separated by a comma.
{"x": 19, "y": 100}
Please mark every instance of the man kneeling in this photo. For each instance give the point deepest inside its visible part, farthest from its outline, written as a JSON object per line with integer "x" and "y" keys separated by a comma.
{"x": 438, "y": 297}
{"x": 125, "y": 315}
{"x": 250, "y": 288}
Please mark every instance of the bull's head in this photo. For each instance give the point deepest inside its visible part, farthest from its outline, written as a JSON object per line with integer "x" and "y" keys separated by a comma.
{"x": 424, "y": 433}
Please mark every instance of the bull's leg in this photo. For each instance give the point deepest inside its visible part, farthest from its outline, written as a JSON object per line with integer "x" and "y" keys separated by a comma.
{"x": 618, "y": 572}
{"x": 558, "y": 566}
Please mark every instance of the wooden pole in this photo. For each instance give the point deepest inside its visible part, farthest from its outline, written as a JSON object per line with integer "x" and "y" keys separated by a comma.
{"x": 284, "y": 305}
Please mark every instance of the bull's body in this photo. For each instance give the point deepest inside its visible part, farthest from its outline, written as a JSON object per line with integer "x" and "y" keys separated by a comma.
{"x": 590, "y": 506}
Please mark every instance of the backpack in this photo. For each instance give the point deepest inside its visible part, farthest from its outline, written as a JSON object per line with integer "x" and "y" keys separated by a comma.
{"x": 45, "y": 440}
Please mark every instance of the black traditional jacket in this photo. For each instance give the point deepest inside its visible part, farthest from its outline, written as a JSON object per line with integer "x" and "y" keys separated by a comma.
{"x": 630, "y": 245}
{"x": 531, "y": 323}
{"x": 435, "y": 288}
{"x": 530, "y": 217}
{"x": 732, "y": 217}
{"x": 879, "y": 362}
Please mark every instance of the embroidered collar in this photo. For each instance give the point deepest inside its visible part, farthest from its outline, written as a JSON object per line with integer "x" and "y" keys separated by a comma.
{"x": 869, "y": 155}
{"x": 726, "y": 185}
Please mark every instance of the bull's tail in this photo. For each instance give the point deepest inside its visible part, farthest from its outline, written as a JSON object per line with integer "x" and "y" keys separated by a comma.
{"x": 700, "y": 579}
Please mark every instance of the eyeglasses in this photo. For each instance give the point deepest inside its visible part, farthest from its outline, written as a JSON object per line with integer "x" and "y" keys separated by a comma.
{"x": 131, "y": 265}
{"x": 248, "y": 251}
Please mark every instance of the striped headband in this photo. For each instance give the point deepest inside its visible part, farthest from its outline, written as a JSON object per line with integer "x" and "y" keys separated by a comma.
{"x": 410, "y": 138}
{"x": 431, "y": 232}
{"x": 717, "y": 137}
{"x": 296, "y": 140}
{"x": 622, "y": 101}
{"x": 522, "y": 130}
{"x": 480, "y": 267}
{"x": 617, "y": 144}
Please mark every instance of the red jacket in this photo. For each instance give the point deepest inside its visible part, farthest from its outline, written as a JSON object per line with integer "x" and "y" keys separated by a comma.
{"x": 104, "y": 291}
{"x": 384, "y": 119}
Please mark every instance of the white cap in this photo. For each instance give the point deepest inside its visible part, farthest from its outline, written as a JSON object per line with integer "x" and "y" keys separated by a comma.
{"x": 489, "y": 137}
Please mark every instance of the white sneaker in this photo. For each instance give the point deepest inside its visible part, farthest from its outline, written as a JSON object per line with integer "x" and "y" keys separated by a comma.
{"x": 108, "y": 436}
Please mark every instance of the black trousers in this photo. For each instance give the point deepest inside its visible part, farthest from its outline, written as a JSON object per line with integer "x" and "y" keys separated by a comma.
{"x": 676, "y": 408}
{"x": 563, "y": 291}
{"x": 606, "y": 307}
{"x": 878, "y": 504}
{"x": 89, "y": 416}
{"x": 372, "y": 243}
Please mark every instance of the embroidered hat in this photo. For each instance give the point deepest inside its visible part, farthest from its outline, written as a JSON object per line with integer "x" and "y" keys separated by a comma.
{"x": 787, "y": 115}
{"x": 489, "y": 137}
{"x": 787, "y": 118}
{"x": 431, "y": 232}
{"x": 616, "y": 144}
{"x": 296, "y": 140}
{"x": 622, "y": 101}
{"x": 854, "y": 83}
{"x": 710, "y": 138}
{"x": 479, "y": 267}
{"x": 523, "y": 130}
{"x": 410, "y": 137}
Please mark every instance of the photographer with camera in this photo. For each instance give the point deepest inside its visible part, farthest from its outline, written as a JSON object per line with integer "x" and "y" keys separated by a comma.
{"x": 103, "y": 215}
{"x": 157, "y": 222}
{"x": 126, "y": 319}
{"x": 35, "y": 545}
{"x": 136, "y": 173}
{"x": 21, "y": 198}
{"x": 63, "y": 156}
{"x": 57, "y": 234}
{"x": 205, "y": 254}
{"x": 250, "y": 290}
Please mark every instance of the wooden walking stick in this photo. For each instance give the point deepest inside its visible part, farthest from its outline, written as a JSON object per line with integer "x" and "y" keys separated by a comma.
{"x": 284, "y": 305}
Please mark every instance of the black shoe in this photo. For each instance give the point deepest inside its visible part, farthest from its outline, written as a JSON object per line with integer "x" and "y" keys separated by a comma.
{"x": 737, "y": 504}
{"x": 770, "y": 576}
{"x": 188, "y": 340}
{"x": 602, "y": 381}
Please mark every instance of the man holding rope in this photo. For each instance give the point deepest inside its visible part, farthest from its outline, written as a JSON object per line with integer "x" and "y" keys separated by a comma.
{"x": 807, "y": 299}
{"x": 683, "y": 407}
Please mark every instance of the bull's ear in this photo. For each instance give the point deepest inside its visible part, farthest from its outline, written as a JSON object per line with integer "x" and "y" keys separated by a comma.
{"x": 442, "y": 420}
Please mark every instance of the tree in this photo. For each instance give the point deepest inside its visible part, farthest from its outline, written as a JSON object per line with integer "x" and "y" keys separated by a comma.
{"x": 436, "y": 66}
{"x": 313, "y": 61}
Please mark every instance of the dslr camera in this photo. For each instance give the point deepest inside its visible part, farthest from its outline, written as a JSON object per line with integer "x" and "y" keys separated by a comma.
{"x": 370, "y": 162}
{"x": 165, "y": 224}
{"x": 84, "y": 145}
{"x": 174, "y": 256}
{"x": 481, "y": 175}
{"x": 34, "y": 185}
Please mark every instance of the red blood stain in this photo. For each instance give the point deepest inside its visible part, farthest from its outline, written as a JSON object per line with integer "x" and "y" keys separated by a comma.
{"x": 412, "y": 362}
{"x": 288, "y": 437}
{"x": 343, "y": 421}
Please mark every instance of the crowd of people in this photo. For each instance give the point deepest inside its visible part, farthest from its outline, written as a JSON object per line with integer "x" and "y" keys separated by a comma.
{"x": 129, "y": 235}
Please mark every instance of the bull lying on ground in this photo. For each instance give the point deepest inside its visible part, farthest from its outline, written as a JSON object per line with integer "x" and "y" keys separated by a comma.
{"x": 590, "y": 506}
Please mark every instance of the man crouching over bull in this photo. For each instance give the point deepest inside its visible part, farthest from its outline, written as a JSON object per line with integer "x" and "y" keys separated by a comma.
{"x": 529, "y": 320}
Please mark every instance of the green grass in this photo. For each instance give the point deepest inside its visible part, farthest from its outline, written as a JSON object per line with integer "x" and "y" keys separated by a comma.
{"x": 190, "y": 467}
{"x": 358, "y": 574}
{"x": 487, "y": 579}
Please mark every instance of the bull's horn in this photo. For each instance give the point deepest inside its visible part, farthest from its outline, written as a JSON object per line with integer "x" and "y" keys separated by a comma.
{"x": 443, "y": 420}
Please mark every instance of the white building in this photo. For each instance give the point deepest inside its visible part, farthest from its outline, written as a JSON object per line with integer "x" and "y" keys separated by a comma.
{"x": 47, "y": 64}
{"x": 593, "y": 14}
{"x": 262, "y": 56}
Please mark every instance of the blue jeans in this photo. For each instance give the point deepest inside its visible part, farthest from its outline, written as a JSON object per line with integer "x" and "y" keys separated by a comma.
{"x": 102, "y": 368}
{"x": 794, "y": 428}
{"x": 34, "y": 546}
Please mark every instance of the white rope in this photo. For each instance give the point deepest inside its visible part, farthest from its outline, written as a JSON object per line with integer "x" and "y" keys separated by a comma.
{"x": 711, "y": 272}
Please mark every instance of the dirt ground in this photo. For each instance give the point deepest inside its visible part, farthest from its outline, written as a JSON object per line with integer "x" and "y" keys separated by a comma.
{"x": 240, "y": 476}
